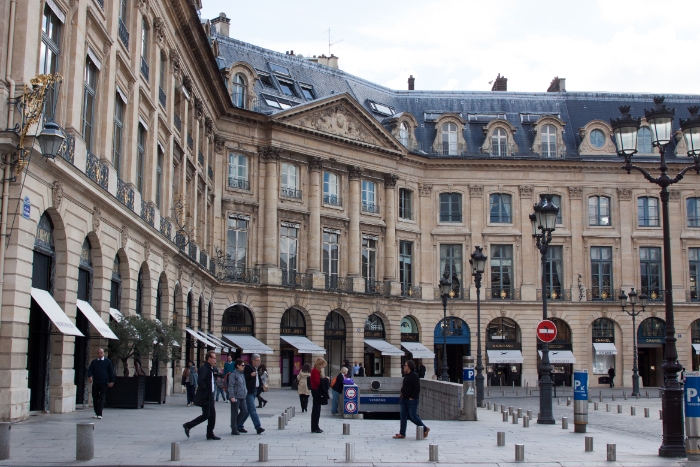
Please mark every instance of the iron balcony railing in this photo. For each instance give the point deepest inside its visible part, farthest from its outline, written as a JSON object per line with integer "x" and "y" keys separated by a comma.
{"x": 180, "y": 240}
{"x": 502, "y": 293}
{"x": 411, "y": 291}
{"x": 212, "y": 268}
{"x": 288, "y": 192}
{"x": 373, "y": 286}
{"x": 341, "y": 284}
{"x": 123, "y": 34}
{"x": 692, "y": 295}
{"x": 125, "y": 194}
{"x": 370, "y": 207}
{"x": 460, "y": 294}
{"x": 67, "y": 149}
{"x": 238, "y": 183}
{"x": 502, "y": 150}
{"x": 555, "y": 293}
{"x": 144, "y": 68}
{"x": 101, "y": 3}
{"x": 333, "y": 200}
{"x": 165, "y": 228}
{"x": 192, "y": 251}
{"x": 161, "y": 96}
{"x": 653, "y": 295}
{"x": 602, "y": 293}
{"x": 203, "y": 258}
{"x": 178, "y": 122}
{"x": 297, "y": 280}
{"x": 229, "y": 272}
{"x": 148, "y": 212}
{"x": 96, "y": 170}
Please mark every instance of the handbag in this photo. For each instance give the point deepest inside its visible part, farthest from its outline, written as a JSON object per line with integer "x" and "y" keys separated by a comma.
{"x": 184, "y": 380}
{"x": 264, "y": 388}
{"x": 295, "y": 384}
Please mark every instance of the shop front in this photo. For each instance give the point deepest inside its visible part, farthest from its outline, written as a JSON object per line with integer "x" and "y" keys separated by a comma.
{"x": 410, "y": 342}
{"x": 455, "y": 332}
{"x": 238, "y": 330}
{"x": 334, "y": 335}
{"x": 603, "y": 349}
{"x": 504, "y": 357}
{"x": 695, "y": 350}
{"x": 561, "y": 355}
{"x": 651, "y": 337}
{"x": 295, "y": 348}
{"x": 376, "y": 347}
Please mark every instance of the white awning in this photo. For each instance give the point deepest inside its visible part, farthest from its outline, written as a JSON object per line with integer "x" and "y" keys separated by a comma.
{"x": 605, "y": 348}
{"x": 418, "y": 350}
{"x": 248, "y": 344}
{"x": 560, "y": 356}
{"x": 226, "y": 348}
{"x": 303, "y": 345}
{"x": 697, "y": 348}
{"x": 54, "y": 312}
{"x": 210, "y": 342}
{"x": 384, "y": 347}
{"x": 505, "y": 356}
{"x": 95, "y": 320}
{"x": 116, "y": 314}
{"x": 200, "y": 338}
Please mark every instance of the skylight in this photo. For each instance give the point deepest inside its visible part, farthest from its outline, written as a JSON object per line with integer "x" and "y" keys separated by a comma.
{"x": 277, "y": 102}
{"x": 287, "y": 88}
{"x": 485, "y": 118}
{"x": 308, "y": 92}
{"x": 279, "y": 69}
{"x": 266, "y": 80}
{"x": 381, "y": 109}
{"x": 532, "y": 118}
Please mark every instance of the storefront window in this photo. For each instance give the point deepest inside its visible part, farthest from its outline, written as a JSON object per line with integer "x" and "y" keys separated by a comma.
{"x": 603, "y": 332}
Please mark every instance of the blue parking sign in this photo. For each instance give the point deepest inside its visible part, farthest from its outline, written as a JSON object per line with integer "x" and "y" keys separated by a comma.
{"x": 468, "y": 374}
{"x": 580, "y": 385}
{"x": 691, "y": 394}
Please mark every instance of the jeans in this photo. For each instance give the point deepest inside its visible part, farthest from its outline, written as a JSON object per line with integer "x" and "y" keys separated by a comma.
{"x": 252, "y": 412}
{"x": 334, "y": 402}
{"x": 315, "y": 410}
{"x": 222, "y": 392}
{"x": 238, "y": 413}
{"x": 409, "y": 410}
{"x": 99, "y": 395}
{"x": 209, "y": 414}
{"x": 612, "y": 382}
{"x": 190, "y": 392}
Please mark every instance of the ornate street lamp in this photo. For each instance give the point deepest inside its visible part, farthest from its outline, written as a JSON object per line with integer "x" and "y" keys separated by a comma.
{"x": 478, "y": 263}
{"x": 633, "y": 313}
{"x": 660, "y": 120}
{"x": 446, "y": 292}
{"x": 543, "y": 221}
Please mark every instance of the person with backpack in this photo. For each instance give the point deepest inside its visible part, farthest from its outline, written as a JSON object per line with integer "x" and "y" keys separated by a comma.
{"x": 337, "y": 388}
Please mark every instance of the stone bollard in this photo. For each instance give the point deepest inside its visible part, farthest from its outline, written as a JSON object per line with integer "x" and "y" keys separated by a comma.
{"x": 633, "y": 411}
{"x": 595, "y": 406}
{"x": 495, "y": 407}
{"x": 263, "y": 452}
{"x": 346, "y": 428}
{"x": 647, "y": 394}
{"x": 510, "y": 410}
{"x": 280, "y": 423}
{"x": 294, "y": 411}
{"x": 526, "y": 422}
{"x": 613, "y": 397}
{"x": 433, "y": 453}
{"x": 503, "y": 407}
{"x": 612, "y": 453}
{"x": 503, "y": 393}
{"x": 420, "y": 433}
{"x": 600, "y": 396}
{"x": 646, "y": 412}
{"x": 349, "y": 452}
{"x": 589, "y": 443}
{"x": 529, "y": 414}
{"x": 515, "y": 418}
{"x": 624, "y": 394}
{"x": 286, "y": 418}
{"x": 175, "y": 451}
{"x": 619, "y": 408}
{"x": 501, "y": 438}
{"x": 661, "y": 414}
{"x": 564, "y": 423}
{"x": 488, "y": 406}
{"x": 519, "y": 452}
{"x": 637, "y": 396}
{"x": 520, "y": 412}
{"x": 607, "y": 407}
{"x": 85, "y": 442}
{"x": 505, "y": 416}
{"x": 488, "y": 393}
{"x": 568, "y": 401}
{"x": 5, "y": 428}
{"x": 558, "y": 401}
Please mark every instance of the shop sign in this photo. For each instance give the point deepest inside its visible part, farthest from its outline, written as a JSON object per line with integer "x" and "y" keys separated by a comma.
{"x": 374, "y": 334}
{"x": 237, "y": 329}
{"x": 503, "y": 345}
{"x": 293, "y": 331}
{"x": 334, "y": 332}
{"x": 409, "y": 337}
{"x": 603, "y": 340}
{"x": 651, "y": 340}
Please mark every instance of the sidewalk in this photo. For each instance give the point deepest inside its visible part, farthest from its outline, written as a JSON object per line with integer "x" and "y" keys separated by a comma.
{"x": 143, "y": 437}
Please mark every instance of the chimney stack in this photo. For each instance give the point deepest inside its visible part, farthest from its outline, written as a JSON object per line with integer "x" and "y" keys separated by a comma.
{"x": 500, "y": 83}
{"x": 557, "y": 85}
{"x": 221, "y": 24}
{"x": 411, "y": 83}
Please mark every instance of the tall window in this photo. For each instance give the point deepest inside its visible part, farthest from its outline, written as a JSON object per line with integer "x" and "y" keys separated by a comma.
{"x": 644, "y": 141}
{"x": 50, "y": 50}
{"x": 449, "y": 139}
{"x": 502, "y": 271}
{"x": 331, "y": 255}
{"x": 500, "y": 208}
{"x": 450, "y": 207}
{"x": 601, "y": 272}
{"x": 693, "y": 211}
{"x": 237, "y": 242}
{"x": 650, "y": 272}
{"x": 238, "y": 92}
{"x": 144, "y": 49}
{"x": 499, "y": 143}
{"x": 549, "y": 141}
{"x": 369, "y": 261}
{"x": 159, "y": 179}
{"x": 556, "y": 200}
{"x": 405, "y": 266}
{"x": 330, "y": 189}
{"x": 115, "y": 292}
{"x": 118, "y": 135}
{"x": 603, "y": 332}
{"x": 89, "y": 96}
{"x": 288, "y": 252}
{"x": 140, "y": 157}
{"x": 599, "y": 210}
{"x": 648, "y": 211}
{"x": 554, "y": 273}
{"x": 451, "y": 264}
{"x": 159, "y": 300}
{"x": 369, "y": 197}
{"x": 694, "y": 264}
{"x": 162, "y": 71}
{"x": 139, "y": 293}
{"x": 290, "y": 180}
{"x": 238, "y": 171}
{"x": 403, "y": 134}
{"x": 405, "y": 203}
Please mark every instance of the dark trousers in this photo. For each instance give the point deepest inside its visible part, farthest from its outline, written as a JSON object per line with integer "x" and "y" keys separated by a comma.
{"x": 190, "y": 392}
{"x": 315, "y": 410}
{"x": 612, "y": 383}
{"x": 99, "y": 395}
{"x": 304, "y": 399}
{"x": 208, "y": 414}
{"x": 409, "y": 411}
{"x": 261, "y": 399}
{"x": 239, "y": 411}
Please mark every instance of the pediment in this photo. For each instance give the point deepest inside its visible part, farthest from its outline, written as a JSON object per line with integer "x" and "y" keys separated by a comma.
{"x": 340, "y": 116}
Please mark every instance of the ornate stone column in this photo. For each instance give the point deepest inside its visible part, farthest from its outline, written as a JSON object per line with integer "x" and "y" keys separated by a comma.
{"x": 354, "y": 175}
{"x": 271, "y": 273}
{"x": 427, "y": 221}
{"x": 390, "y": 238}
{"x": 313, "y": 258}
{"x": 529, "y": 255}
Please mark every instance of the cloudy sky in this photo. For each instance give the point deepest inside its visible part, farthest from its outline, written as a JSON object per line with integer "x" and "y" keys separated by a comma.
{"x": 603, "y": 45}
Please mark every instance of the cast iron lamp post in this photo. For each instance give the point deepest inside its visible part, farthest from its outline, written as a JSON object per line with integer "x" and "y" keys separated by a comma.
{"x": 625, "y": 129}
{"x": 478, "y": 263}
{"x": 543, "y": 221}
{"x": 634, "y": 314}
{"x": 446, "y": 292}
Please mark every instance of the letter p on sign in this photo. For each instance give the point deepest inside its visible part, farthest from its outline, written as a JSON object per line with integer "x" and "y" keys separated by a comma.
{"x": 692, "y": 392}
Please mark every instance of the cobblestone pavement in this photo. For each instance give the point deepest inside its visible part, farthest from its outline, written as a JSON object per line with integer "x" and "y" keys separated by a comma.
{"x": 143, "y": 437}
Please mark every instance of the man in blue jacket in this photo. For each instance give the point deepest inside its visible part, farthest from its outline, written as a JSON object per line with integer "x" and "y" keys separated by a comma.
{"x": 101, "y": 375}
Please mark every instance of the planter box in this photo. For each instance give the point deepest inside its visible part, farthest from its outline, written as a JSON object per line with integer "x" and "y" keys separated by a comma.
{"x": 127, "y": 393}
{"x": 156, "y": 389}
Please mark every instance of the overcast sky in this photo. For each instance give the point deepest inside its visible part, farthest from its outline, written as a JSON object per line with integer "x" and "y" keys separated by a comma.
{"x": 605, "y": 45}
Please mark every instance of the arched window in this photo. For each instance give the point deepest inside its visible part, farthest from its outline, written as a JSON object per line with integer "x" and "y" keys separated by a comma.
{"x": 139, "y": 293}
{"x": 603, "y": 345}
{"x": 85, "y": 272}
{"x": 200, "y": 313}
{"x": 374, "y": 327}
{"x": 563, "y": 330}
{"x": 210, "y": 311}
{"x": 503, "y": 330}
{"x": 499, "y": 143}
{"x": 451, "y": 327}
{"x": 238, "y": 92}
{"x": 115, "y": 294}
{"x": 408, "y": 326}
{"x": 652, "y": 327}
{"x": 644, "y": 141}
{"x": 293, "y": 323}
{"x": 449, "y": 139}
{"x": 549, "y": 141}
{"x": 403, "y": 134}
{"x": 159, "y": 300}
{"x": 237, "y": 319}
{"x": 189, "y": 309}
{"x": 695, "y": 330}
{"x": 603, "y": 328}
{"x": 176, "y": 293}
{"x": 334, "y": 341}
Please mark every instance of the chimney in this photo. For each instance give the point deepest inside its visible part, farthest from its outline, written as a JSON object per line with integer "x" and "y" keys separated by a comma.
{"x": 221, "y": 24}
{"x": 333, "y": 61}
{"x": 500, "y": 83}
{"x": 557, "y": 85}
{"x": 411, "y": 83}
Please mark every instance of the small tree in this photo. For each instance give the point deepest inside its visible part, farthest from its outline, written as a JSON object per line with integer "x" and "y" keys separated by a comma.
{"x": 168, "y": 338}
{"x": 136, "y": 336}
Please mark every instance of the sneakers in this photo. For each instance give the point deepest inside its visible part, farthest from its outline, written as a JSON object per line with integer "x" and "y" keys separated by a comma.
{"x": 99, "y": 417}
{"x": 94, "y": 416}
{"x": 260, "y": 430}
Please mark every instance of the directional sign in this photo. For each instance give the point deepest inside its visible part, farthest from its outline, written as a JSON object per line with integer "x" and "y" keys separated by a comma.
{"x": 546, "y": 331}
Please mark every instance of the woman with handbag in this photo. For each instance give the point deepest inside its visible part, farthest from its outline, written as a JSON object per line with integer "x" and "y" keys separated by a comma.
{"x": 192, "y": 383}
{"x": 263, "y": 386}
{"x": 303, "y": 386}
{"x": 185, "y": 381}
{"x": 318, "y": 382}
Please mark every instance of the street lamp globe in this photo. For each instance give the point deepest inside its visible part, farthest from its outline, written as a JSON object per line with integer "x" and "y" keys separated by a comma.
{"x": 549, "y": 212}
{"x": 691, "y": 131}
{"x": 623, "y": 299}
{"x": 445, "y": 285}
{"x": 633, "y": 297}
{"x": 535, "y": 227}
{"x": 625, "y": 128}
{"x": 478, "y": 261}
{"x": 660, "y": 119}
{"x": 50, "y": 139}
{"x": 643, "y": 300}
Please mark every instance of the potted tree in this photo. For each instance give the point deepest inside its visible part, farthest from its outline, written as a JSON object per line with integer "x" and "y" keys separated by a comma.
{"x": 168, "y": 337}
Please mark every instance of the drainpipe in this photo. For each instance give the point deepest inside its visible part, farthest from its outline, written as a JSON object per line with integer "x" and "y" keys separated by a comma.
{"x": 8, "y": 64}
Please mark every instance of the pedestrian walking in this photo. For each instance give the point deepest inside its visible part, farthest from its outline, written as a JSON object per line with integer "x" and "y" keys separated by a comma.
{"x": 252, "y": 382}
{"x": 101, "y": 375}
{"x": 611, "y": 376}
{"x": 262, "y": 402}
{"x": 229, "y": 367}
{"x": 408, "y": 401}
{"x": 337, "y": 390}
{"x": 356, "y": 369}
{"x": 191, "y": 383}
{"x": 237, "y": 392}
{"x": 421, "y": 371}
{"x": 303, "y": 388}
{"x": 204, "y": 398}
{"x": 319, "y": 393}
{"x": 361, "y": 370}
{"x": 220, "y": 387}
{"x": 185, "y": 381}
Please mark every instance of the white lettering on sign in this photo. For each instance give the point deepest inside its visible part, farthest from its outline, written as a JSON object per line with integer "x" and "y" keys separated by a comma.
{"x": 692, "y": 392}
{"x": 470, "y": 391}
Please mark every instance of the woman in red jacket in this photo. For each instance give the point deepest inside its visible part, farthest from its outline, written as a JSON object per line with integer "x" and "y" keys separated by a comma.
{"x": 316, "y": 390}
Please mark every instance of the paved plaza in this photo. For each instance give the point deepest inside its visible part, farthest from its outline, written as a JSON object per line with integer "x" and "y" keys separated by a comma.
{"x": 143, "y": 437}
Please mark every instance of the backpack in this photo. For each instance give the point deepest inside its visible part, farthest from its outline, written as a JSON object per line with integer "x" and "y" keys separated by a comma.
{"x": 333, "y": 381}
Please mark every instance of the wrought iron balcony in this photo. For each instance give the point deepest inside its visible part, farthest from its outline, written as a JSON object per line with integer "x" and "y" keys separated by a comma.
{"x": 370, "y": 207}
{"x": 373, "y": 286}
{"x": 125, "y": 194}
{"x": 67, "y": 149}
{"x": 144, "y": 68}
{"x": 180, "y": 240}
{"x": 148, "y": 212}
{"x": 123, "y": 34}
{"x": 602, "y": 293}
{"x": 192, "y": 251}
{"x": 288, "y": 192}
{"x": 97, "y": 171}
{"x": 230, "y": 273}
{"x": 556, "y": 293}
{"x": 161, "y": 96}
{"x": 692, "y": 295}
{"x": 411, "y": 291}
{"x": 101, "y": 3}
{"x": 502, "y": 293}
{"x": 340, "y": 284}
{"x": 212, "y": 268}
{"x": 333, "y": 200}
{"x": 653, "y": 295}
{"x": 165, "y": 228}
{"x": 178, "y": 122}
{"x": 203, "y": 258}
{"x": 297, "y": 280}
{"x": 238, "y": 183}
{"x": 460, "y": 294}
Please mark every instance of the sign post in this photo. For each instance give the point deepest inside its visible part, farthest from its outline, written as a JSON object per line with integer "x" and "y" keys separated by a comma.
{"x": 580, "y": 400}
{"x": 692, "y": 414}
{"x": 468, "y": 389}
{"x": 351, "y": 397}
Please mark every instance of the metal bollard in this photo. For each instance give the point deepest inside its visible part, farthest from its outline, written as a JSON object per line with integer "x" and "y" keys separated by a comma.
{"x": 613, "y": 397}
{"x": 526, "y": 422}
{"x": 349, "y": 452}
{"x": 516, "y": 392}
{"x": 420, "y": 433}
{"x": 488, "y": 393}
{"x": 624, "y": 394}
{"x": 519, "y": 452}
{"x": 595, "y": 406}
{"x": 175, "y": 451}
{"x": 607, "y": 407}
{"x": 515, "y": 418}
{"x": 433, "y": 453}
{"x": 505, "y": 416}
{"x": 637, "y": 396}
{"x": 661, "y": 414}
{"x": 600, "y": 396}
{"x": 520, "y": 412}
{"x": 568, "y": 401}
{"x": 558, "y": 401}
{"x": 503, "y": 393}
{"x": 564, "y": 423}
{"x": 503, "y": 407}
{"x": 263, "y": 452}
{"x": 495, "y": 408}
{"x": 646, "y": 412}
{"x": 633, "y": 411}
{"x": 280, "y": 423}
{"x": 619, "y": 408}
{"x": 589, "y": 443}
{"x": 288, "y": 416}
{"x": 501, "y": 438}
{"x": 529, "y": 414}
{"x": 5, "y": 428}
{"x": 85, "y": 442}
{"x": 284, "y": 417}
{"x": 612, "y": 453}
{"x": 510, "y": 410}
{"x": 488, "y": 406}
{"x": 346, "y": 428}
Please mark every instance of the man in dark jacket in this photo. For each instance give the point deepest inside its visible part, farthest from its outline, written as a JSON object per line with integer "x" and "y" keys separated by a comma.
{"x": 204, "y": 397}
{"x": 101, "y": 375}
{"x": 252, "y": 383}
{"x": 408, "y": 403}
{"x": 611, "y": 375}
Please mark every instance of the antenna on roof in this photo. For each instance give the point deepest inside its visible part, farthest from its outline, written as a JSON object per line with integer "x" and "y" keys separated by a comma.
{"x": 331, "y": 43}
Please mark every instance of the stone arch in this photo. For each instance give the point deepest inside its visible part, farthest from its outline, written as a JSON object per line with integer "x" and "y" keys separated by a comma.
{"x": 145, "y": 292}
{"x": 245, "y": 317}
{"x": 163, "y": 298}
{"x": 200, "y": 312}
{"x": 250, "y": 76}
{"x": 449, "y": 117}
{"x": 60, "y": 264}
{"x": 489, "y": 131}
{"x": 558, "y": 125}
{"x": 416, "y": 322}
{"x": 386, "y": 325}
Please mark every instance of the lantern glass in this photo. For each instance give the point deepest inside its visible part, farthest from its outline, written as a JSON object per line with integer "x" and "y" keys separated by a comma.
{"x": 533, "y": 221}
{"x": 643, "y": 299}
{"x": 50, "y": 139}
{"x": 445, "y": 285}
{"x": 692, "y": 140}
{"x": 633, "y": 297}
{"x": 623, "y": 299}
{"x": 626, "y": 140}
{"x": 660, "y": 130}
{"x": 478, "y": 260}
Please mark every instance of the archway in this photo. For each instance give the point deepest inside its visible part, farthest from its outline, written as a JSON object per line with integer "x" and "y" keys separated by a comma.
{"x": 651, "y": 335}
{"x": 504, "y": 352}
{"x": 294, "y": 346}
{"x": 81, "y": 354}
{"x": 377, "y": 349}
{"x": 604, "y": 349}
{"x": 451, "y": 332}
{"x": 561, "y": 355}
{"x": 238, "y": 328}
{"x": 410, "y": 341}
{"x": 334, "y": 335}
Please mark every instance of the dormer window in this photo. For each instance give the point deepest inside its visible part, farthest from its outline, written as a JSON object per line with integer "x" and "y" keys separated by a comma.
{"x": 287, "y": 88}
{"x": 549, "y": 141}
{"x": 644, "y": 140}
{"x": 279, "y": 69}
{"x": 238, "y": 92}
{"x": 449, "y": 139}
{"x": 266, "y": 80}
{"x": 381, "y": 109}
{"x": 499, "y": 143}
{"x": 308, "y": 92}
{"x": 403, "y": 134}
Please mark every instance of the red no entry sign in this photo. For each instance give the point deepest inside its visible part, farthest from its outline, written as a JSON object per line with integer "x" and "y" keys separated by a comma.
{"x": 546, "y": 331}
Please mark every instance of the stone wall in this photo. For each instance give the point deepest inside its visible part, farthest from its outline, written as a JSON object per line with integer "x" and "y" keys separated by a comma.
{"x": 439, "y": 400}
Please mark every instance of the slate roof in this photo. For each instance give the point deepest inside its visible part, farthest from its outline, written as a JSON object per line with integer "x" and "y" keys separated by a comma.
{"x": 576, "y": 109}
